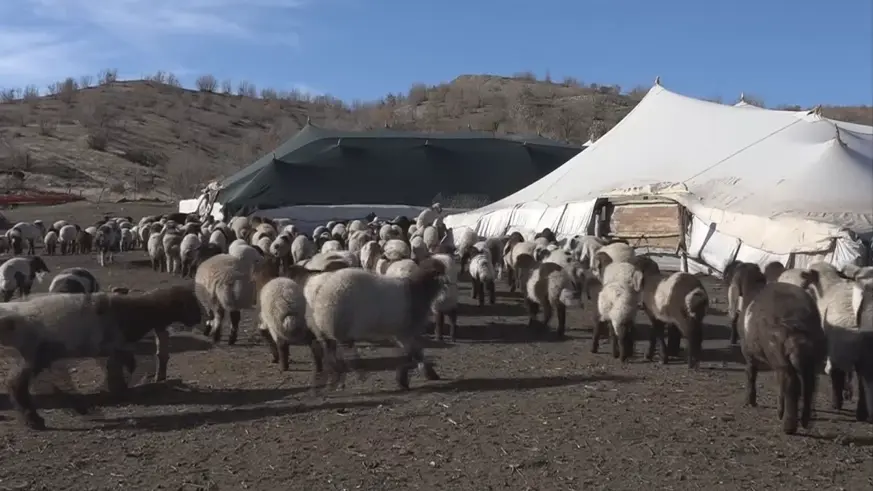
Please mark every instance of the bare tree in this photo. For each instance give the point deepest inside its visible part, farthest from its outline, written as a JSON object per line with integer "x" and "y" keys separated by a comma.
{"x": 206, "y": 83}
{"x": 108, "y": 76}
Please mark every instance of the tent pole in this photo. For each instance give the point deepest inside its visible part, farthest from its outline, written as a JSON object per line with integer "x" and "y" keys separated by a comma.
{"x": 683, "y": 250}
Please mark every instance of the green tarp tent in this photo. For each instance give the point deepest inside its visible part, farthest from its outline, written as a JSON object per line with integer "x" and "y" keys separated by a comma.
{"x": 319, "y": 166}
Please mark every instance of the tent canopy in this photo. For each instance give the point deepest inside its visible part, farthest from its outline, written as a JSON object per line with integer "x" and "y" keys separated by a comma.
{"x": 328, "y": 167}
{"x": 782, "y": 180}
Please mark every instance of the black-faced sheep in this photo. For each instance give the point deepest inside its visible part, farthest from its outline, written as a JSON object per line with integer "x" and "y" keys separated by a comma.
{"x": 773, "y": 270}
{"x": 735, "y": 276}
{"x": 782, "y": 329}
{"x": 19, "y": 273}
{"x": 355, "y": 305}
{"x": 678, "y": 300}
{"x": 519, "y": 262}
{"x": 59, "y": 326}
{"x": 223, "y": 285}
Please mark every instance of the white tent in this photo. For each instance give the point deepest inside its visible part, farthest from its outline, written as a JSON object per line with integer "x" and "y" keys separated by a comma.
{"x": 761, "y": 185}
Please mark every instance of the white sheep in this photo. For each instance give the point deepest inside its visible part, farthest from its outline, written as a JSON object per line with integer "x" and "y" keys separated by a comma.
{"x": 428, "y": 215}
{"x": 370, "y": 254}
{"x": 302, "y": 248}
{"x": 24, "y": 232}
{"x": 74, "y": 280}
{"x": 156, "y": 253}
{"x": 249, "y": 256}
{"x": 483, "y": 274}
{"x": 18, "y": 273}
{"x": 676, "y": 303}
{"x": 51, "y": 242}
{"x": 331, "y": 246}
{"x": 615, "y": 252}
{"x": 356, "y": 305}
{"x": 67, "y": 238}
{"x": 446, "y": 302}
{"x": 171, "y": 242}
{"x": 282, "y": 317}
{"x": 218, "y": 238}
{"x": 617, "y": 306}
{"x": 396, "y": 249}
{"x": 105, "y": 239}
{"x": 187, "y": 252}
{"x": 519, "y": 261}
{"x": 224, "y": 285}
{"x": 551, "y": 288}
{"x": 127, "y": 239}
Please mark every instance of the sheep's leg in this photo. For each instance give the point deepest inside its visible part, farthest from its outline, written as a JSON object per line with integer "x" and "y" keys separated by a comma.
{"x": 626, "y": 349}
{"x": 271, "y": 343}
{"x": 510, "y": 279}
{"x": 114, "y": 370}
{"x": 217, "y": 321}
{"x": 599, "y": 327}
{"x": 735, "y": 334}
{"x": 561, "y": 310}
{"x": 338, "y": 368}
{"x": 791, "y": 391}
{"x": 284, "y": 348}
{"x": 614, "y": 340}
{"x": 751, "y": 380}
{"x": 209, "y": 322}
{"x": 864, "y": 374}
{"x": 695, "y": 342}
{"x": 674, "y": 339}
{"x": 162, "y": 353}
{"x": 18, "y": 385}
{"x": 317, "y": 349}
{"x": 417, "y": 355}
{"x": 848, "y": 391}
{"x": 807, "y": 383}
{"x": 547, "y": 315}
{"x": 782, "y": 381}
{"x": 475, "y": 288}
{"x": 439, "y": 320}
{"x": 656, "y": 333}
{"x": 235, "y": 316}
{"x": 492, "y": 293}
{"x": 533, "y": 309}
{"x": 838, "y": 386}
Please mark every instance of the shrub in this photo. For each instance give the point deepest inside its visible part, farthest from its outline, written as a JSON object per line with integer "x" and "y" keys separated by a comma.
{"x": 207, "y": 83}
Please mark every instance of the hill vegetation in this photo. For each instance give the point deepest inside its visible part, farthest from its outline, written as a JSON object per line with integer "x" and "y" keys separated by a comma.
{"x": 104, "y": 138}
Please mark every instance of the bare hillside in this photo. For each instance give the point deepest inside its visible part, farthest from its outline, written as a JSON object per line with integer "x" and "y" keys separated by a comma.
{"x": 155, "y": 139}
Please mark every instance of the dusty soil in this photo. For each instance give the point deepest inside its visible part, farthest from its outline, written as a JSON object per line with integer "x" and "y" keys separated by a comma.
{"x": 512, "y": 412}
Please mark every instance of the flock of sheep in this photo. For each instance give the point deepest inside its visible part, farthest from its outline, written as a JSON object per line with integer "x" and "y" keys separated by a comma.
{"x": 375, "y": 280}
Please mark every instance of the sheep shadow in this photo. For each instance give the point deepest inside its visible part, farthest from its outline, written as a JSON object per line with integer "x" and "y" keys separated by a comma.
{"x": 139, "y": 264}
{"x": 731, "y": 355}
{"x": 508, "y": 333}
{"x": 858, "y": 441}
{"x": 510, "y": 384}
{"x": 161, "y": 423}
{"x": 180, "y": 342}
{"x": 499, "y": 309}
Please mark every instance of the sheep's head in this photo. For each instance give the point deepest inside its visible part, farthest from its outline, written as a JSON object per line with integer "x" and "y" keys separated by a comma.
{"x": 38, "y": 268}
{"x": 811, "y": 280}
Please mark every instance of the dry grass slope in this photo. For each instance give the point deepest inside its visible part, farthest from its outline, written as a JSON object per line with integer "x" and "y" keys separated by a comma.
{"x": 154, "y": 139}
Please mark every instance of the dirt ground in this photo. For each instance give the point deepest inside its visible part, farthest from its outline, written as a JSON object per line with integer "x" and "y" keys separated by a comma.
{"x": 511, "y": 412}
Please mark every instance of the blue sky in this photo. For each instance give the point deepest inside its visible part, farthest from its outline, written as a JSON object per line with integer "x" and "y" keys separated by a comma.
{"x": 784, "y": 51}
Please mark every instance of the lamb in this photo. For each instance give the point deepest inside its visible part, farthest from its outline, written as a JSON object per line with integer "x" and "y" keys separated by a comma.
{"x": 842, "y": 304}
{"x": 51, "y": 242}
{"x": 482, "y": 272}
{"x": 62, "y": 326}
{"x": 19, "y": 273}
{"x": 465, "y": 239}
{"x": 356, "y": 305}
{"x": 553, "y": 289}
{"x": 74, "y": 280}
{"x": 281, "y": 249}
{"x": 617, "y": 305}
{"x": 782, "y": 328}
{"x": 370, "y": 254}
{"x": 156, "y": 253}
{"x": 396, "y": 249}
{"x": 223, "y": 284}
{"x": 218, "y": 238}
{"x": 735, "y": 275}
{"x": 105, "y": 238}
{"x": 190, "y": 243}
{"x": 446, "y": 302}
{"x": 616, "y": 252}
{"x": 248, "y": 255}
{"x": 519, "y": 262}
{"x": 172, "y": 246}
{"x": 678, "y": 303}
{"x": 282, "y": 317}
{"x": 302, "y": 248}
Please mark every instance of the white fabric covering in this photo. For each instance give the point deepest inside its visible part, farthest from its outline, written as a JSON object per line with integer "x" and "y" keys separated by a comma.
{"x": 776, "y": 182}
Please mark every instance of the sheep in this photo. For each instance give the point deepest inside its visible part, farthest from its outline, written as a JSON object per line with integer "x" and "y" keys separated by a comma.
{"x": 401, "y": 269}
{"x": 224, "y": 285}
{"x": 735, "y": 275}
{"x": 465, "y": 239}
{"x": 51, "y": 242}
{"x": 519, "y": 262}
{"x": 218, "y": 238}
{"x": 331, "y": 246}
{"x": 370, "y": 254}
{"x": 249, "y": 256}
{"x": 67, "y": 238}
{"x": 356, "y": 305}
{"x": 302, "y": 248}
{"x": 281, "y": 248}
{"x": 615, "y": 252}
{"x": 156, "y": 253}
{"x": 50, "y": 328}
{"x": 282, "y": 317}
{"x": 773, "y": 270}
{"x": 59, "y": 224}
{"x": 172, "y": 246}
{"x": 19, "y": 273}
{"x": 446, "y": 302}
{"x": 782, "y": 328}
{"x": 483, "y": 275}
{"x": 396, "y": 249}
{"x": 388, "y": 232}
{"x": 202, "y": 253}
{"x": 357, "y": 239}
{"x": 678, "y": 303}
{"x": 74, "y": 280}
{"x": 617, "y": 305}
{"x": 189, "y": 244}
{"x": 29, "y": 233}
{"x": 551, "y": 288}
{"x": 428, "y": 215}
{"x": 330, "y": 261}
{"x": 126, "y": 239}
{"x": 105, "y": 239}
{"x": 841, "y": 303}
